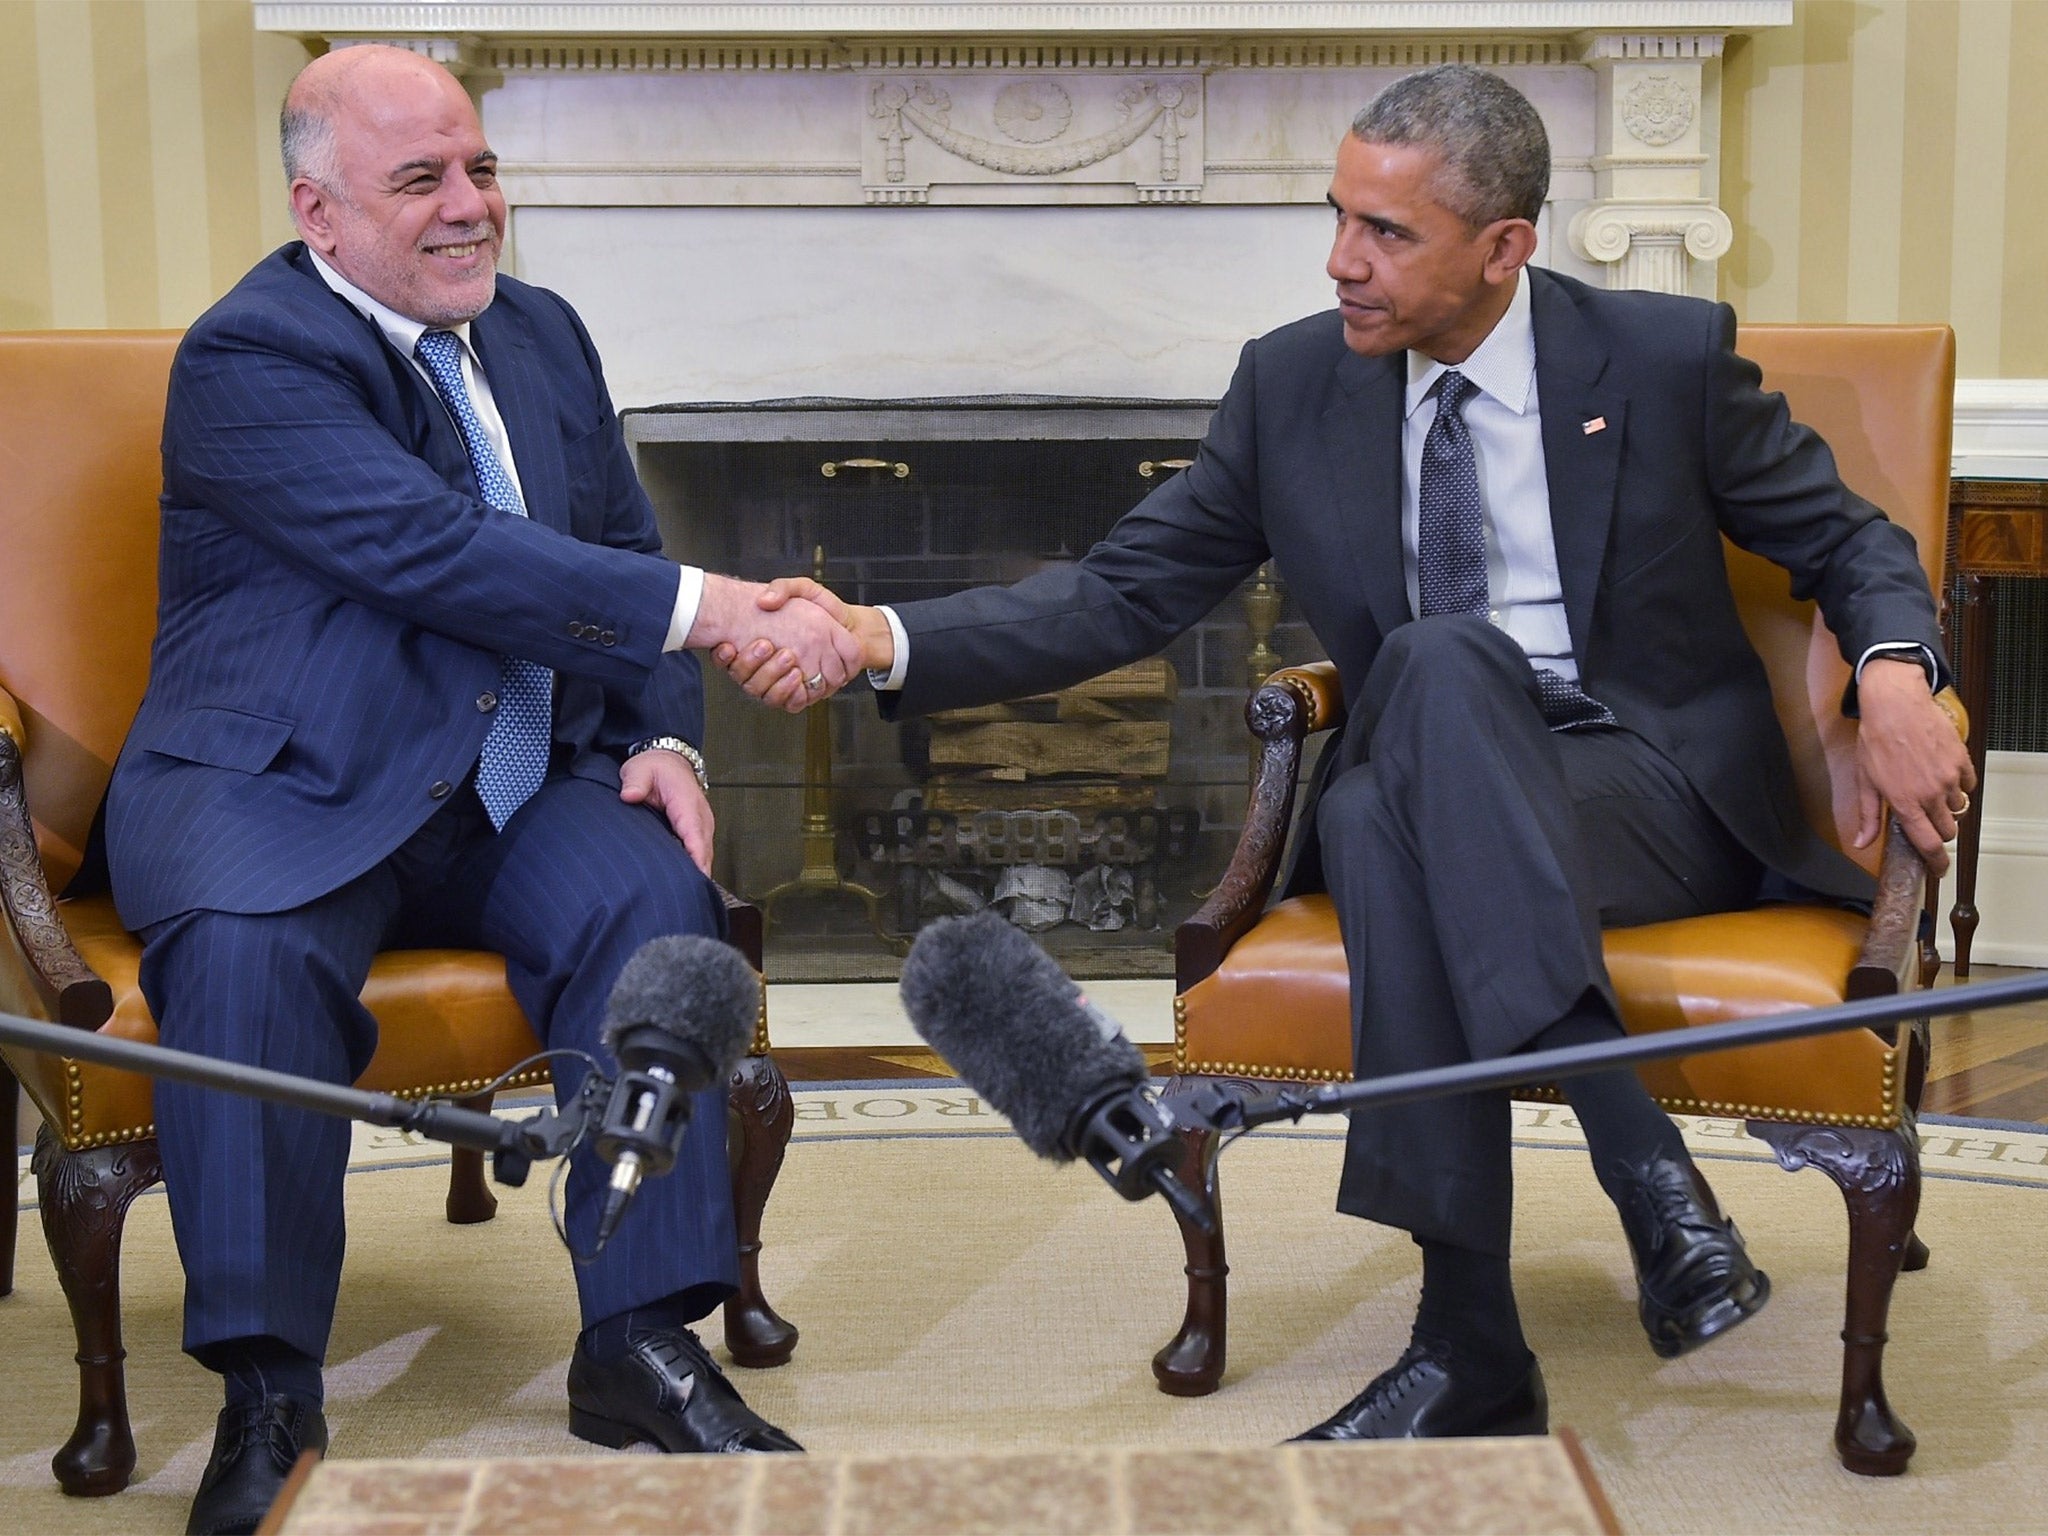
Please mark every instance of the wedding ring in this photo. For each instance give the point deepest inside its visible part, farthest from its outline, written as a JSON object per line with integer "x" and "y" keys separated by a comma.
{"x": 1965, "y": 806}
{"x": 814, "y": 683}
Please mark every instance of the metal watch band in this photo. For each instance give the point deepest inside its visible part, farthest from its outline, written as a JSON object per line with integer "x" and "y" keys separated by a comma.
{"x": 681, "y": 748}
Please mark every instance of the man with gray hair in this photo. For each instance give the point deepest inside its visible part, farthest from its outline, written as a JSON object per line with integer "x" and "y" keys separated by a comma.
{"x": 422, "y": 679}
{"x": 1498, "y": 496}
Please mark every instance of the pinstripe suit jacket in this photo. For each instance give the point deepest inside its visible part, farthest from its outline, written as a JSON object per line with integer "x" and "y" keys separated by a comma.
{"x": 334, "y": 595}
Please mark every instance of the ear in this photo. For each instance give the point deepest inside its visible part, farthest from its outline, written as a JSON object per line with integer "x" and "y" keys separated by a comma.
{"x": 312, "y": 212}
{"x": 1514, "y": 242}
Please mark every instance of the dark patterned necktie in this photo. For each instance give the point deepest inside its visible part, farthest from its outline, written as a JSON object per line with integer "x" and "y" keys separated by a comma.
{"x": 515, "y": 753}
{"x": 1450, "y": 545}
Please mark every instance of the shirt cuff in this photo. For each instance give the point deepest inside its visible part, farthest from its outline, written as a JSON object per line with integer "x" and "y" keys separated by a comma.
{"x": 891, "y": 681}
{"x": 1918, "y": 652}
{"x": 689, "y": 595}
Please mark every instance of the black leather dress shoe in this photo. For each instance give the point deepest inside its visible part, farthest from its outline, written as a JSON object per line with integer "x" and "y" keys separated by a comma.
{"x": 1424, "y": 1398}
{"x": 1693, "y": 1279}
{"x": 667, "y": 1392}
{"x": 255, "y": 1446}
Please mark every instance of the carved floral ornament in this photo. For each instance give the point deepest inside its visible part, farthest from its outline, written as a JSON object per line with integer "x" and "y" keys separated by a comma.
{"x": 1036, "y": 116}
{"x": 1657, "y": 110}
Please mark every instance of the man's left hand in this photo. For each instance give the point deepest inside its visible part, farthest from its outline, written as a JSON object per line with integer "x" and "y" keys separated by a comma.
{"x": 666, "y": 781}
{"x": 1908, "y": 756}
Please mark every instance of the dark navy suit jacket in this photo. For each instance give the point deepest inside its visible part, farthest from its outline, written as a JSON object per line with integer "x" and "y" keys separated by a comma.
{"x": 1302, "y": 463}
{"x": 334, "y": 595}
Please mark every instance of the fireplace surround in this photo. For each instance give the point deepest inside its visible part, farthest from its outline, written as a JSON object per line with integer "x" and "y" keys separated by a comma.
{"x": 893, "y": 500}
{"x": 874, "y": 229}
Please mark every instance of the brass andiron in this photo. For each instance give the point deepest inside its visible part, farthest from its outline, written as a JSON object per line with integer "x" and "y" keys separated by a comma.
{"x": 820, "y": 873}
{"x": 1261, "y": 615}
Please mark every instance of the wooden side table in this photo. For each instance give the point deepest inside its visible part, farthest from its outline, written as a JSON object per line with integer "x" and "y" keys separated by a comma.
{"x": 1995, "y": 528}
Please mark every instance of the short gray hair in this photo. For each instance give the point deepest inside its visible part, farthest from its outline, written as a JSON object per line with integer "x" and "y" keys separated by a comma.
{"x": 1495, "y": 154}
{"x": 305, "y": 137}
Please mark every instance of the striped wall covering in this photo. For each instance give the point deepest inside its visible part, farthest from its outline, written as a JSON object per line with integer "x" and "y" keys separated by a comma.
{"x": 1883, "y": 163}
{"x": 140, "y": 175}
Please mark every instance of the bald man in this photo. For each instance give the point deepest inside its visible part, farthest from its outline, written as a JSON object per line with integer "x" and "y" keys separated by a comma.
{"x": 422, "y": 678}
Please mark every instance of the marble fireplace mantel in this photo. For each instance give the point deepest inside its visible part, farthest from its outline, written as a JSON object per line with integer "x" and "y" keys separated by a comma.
{"x": 798, "y": 197}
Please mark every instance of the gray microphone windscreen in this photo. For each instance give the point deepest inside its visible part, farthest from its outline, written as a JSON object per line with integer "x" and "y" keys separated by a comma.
{"x": 696, "y": 991}
{"x": 1016, "y": 1029}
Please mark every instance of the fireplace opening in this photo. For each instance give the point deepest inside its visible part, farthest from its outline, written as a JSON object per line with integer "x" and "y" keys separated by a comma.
{"x": 1097, "y": 817}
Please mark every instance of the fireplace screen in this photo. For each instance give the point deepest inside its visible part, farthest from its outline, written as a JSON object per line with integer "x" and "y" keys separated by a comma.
{"x": 1096, "y": 817}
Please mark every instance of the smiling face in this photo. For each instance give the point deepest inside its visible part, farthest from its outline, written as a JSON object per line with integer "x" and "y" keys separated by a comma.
{"x": 412, "y": 213}
{"x": 1409, "y": 272}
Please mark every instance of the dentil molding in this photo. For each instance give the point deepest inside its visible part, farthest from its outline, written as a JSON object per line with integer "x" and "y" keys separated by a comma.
{"x": 964, "y": 18}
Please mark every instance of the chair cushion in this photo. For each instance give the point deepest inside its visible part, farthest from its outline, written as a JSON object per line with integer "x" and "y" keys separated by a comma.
{"x": 1280, "y": 1008}
{"x": 446, "y": 1024}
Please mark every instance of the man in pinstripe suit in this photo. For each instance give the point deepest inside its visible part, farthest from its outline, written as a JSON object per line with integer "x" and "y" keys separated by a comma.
{"x": 396, "y": 501}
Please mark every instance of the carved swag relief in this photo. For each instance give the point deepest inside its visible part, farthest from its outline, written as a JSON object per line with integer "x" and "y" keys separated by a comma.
{"x": 1033, "y": 133}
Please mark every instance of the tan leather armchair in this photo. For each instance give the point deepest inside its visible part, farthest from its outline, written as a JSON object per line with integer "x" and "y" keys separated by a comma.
{"x": 1264, "y": 993}
{"x": 80, "y": 417}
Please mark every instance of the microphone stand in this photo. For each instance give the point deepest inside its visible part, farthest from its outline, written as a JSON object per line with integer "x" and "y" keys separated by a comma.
{"x": 513, "y": 1144}
{"x": 1214, "y": 1106}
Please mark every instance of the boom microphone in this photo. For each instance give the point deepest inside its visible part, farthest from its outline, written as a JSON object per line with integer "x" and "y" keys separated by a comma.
{"x": 679, "y": 1018}
{"x": 1008, "y": 1020}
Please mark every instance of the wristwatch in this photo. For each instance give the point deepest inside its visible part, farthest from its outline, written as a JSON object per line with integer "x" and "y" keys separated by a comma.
{"x": 681, "y": 748}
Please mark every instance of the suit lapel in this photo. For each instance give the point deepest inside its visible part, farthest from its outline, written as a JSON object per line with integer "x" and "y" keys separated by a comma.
{"x": 1583, "y": 428}
{"x": 520, "y": 388}
{"x": 1362, "y": 435}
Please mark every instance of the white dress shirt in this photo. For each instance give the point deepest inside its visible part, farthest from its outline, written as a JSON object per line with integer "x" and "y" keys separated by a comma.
{"x": 404, "y": 335}
{"x": 1525, "y": 596}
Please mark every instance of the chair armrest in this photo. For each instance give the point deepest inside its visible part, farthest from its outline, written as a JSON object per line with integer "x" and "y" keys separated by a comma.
{"x": 742, "y": 925}
{"x": 1292, "y": 704}
{"x": 1890, "y": 961}
{"x": 70, "y": 992}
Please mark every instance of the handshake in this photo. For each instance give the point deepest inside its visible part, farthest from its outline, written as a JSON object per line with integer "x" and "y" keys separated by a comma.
{"x": 789, "y": 643}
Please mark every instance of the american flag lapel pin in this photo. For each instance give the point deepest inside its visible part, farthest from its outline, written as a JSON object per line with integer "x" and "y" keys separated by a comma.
{"x": 1597, "y": 424}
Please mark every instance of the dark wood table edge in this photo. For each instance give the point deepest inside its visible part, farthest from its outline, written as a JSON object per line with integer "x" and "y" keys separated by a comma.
{"x": 281, "y": 1510}
{"x": 1588, "y": 1483}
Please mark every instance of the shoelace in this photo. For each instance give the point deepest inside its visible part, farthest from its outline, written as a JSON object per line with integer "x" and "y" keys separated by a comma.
{"x": 1672, "y": 1205}
{"x": 278, "y": 1441}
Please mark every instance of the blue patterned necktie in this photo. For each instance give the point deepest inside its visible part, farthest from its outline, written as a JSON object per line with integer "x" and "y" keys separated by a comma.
{"x": 1450, "y": 545}
{"x": 515, "y": 753}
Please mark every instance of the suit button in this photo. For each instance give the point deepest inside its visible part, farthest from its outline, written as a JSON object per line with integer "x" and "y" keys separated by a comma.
{"x": 576, "y": 631}
{"x": 486, "y": 702}
{"x": 608, "y": 638}
{"x": 440, "y": 790}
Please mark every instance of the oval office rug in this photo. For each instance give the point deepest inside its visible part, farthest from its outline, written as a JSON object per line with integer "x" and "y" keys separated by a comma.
{"x": 953, "y": 1292}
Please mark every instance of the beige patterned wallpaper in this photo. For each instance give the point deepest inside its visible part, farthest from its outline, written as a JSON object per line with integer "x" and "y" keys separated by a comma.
{"x": 140, "y": 176}
{"x": 1882, "y": 164}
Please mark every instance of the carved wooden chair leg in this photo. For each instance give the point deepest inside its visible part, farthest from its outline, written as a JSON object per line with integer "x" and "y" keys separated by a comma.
{"x": 1190, "y": 1364}
{"x": 1916, "y": 1254}
{"x": 10, "y": 1139}
{"x": 469, "y": 1194}
{"x": 759, "y": 1117}
{"x": 1879, "y": 1174}
{"x": 85, "y": 1198}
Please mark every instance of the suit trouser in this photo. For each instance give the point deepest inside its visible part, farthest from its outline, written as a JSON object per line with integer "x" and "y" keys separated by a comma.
{"x": 1473, "y": 856}
{"x": 577, "y": 881}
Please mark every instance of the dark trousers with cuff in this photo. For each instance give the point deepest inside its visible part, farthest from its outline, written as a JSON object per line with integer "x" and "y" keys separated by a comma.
{"x": 576, "y": 882}
{"x": 1473, "y": 856}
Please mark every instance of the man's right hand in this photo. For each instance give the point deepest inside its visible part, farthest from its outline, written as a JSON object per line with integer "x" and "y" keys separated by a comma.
{"x": 774, "y": 675}
{"x": 815, "y": 651}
